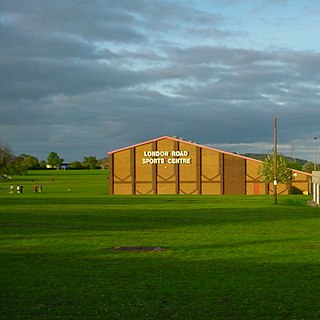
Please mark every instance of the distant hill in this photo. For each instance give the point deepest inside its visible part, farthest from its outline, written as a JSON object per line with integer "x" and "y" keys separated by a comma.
{"x": 258, "y": 156}
{"x": 261, "y": 156}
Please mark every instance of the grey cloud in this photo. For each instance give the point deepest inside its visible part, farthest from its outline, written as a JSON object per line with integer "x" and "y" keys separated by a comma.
{"x": 94, "y": 20}
{"x": 36, "y": 78}
{"x": 82, "y": 77}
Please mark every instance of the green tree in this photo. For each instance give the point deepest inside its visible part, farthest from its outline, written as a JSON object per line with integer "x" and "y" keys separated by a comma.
{"x": 31, "y": 162}
{"x": 6, "y": 158}
{"x": 90, "y": 162}
{"x": 309, "y": 167}
{"x": 18, "y": 166}
{"x": 9, "y": 163}
{"x": 294, "y": 165}
{"x": 103, "y": 163}
{"x": 42, "y": 164}
{"x": 76, "y": 165}
{"x": 283, "y": 172}
{"x": 54, "y": 160}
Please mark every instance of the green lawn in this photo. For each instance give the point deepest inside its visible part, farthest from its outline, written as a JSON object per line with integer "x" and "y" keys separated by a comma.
{"x": 224, "y": 257}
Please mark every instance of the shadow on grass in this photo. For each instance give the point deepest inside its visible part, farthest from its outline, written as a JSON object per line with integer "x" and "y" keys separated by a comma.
{"x": 56, "y": 217}
{"x": 92, "y": 285}
{"x": 165, "y": 200}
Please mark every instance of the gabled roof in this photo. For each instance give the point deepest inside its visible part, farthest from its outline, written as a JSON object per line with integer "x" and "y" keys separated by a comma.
{"x": 197, "y": 145}
{"x": 184, "y": 141}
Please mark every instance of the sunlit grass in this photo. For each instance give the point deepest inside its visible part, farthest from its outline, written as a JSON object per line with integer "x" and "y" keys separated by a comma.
{"x": 224, "y": 257}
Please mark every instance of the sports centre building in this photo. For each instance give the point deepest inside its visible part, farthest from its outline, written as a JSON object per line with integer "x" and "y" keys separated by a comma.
{"x": 168, "y": 165}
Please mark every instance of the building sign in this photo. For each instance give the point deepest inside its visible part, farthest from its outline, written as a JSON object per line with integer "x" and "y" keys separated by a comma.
{"x": 166, "y": 157}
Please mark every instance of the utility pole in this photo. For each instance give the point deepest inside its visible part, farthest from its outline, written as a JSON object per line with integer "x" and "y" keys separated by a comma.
{"x": 275, "y": 182}
{"x": 315, "y": 154}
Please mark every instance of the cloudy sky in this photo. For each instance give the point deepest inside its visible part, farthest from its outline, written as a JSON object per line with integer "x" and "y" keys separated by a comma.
{"x": 82, "y": 78}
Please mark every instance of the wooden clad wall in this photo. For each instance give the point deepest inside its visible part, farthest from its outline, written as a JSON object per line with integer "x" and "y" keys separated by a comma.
{"x": 302, "y": 181}
{"x": 254, "y": 181}
{"x": 208, "y": 172}
{"x": 189, "y": 175}
{"x": 144, "y": 173}
{"x": 122, "y": 179}
{"x": 167, "y": 177}
{"x": 211, "y": 173}
{"x": 234, "y": 175}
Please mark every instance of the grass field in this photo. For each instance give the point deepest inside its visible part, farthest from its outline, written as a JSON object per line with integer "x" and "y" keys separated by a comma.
{"x": 223, "y": 257}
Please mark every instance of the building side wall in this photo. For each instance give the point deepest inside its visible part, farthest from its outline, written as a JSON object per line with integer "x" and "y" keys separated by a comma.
{"x": 144, "y": 173}
{"x": 254, "y": 181}
{"x": 189, "y": 173}
{"x": 207, "y": 171}
{"x": 234, "y": 175}
{"x": 122, "y": 175}
{"x": 211, "y": 172}
{"x": 167, "y": 175}
{"x": 302, "y": 182}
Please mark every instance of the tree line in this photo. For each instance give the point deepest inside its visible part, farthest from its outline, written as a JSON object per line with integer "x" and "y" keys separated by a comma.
{"x": 12, "y": 164}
